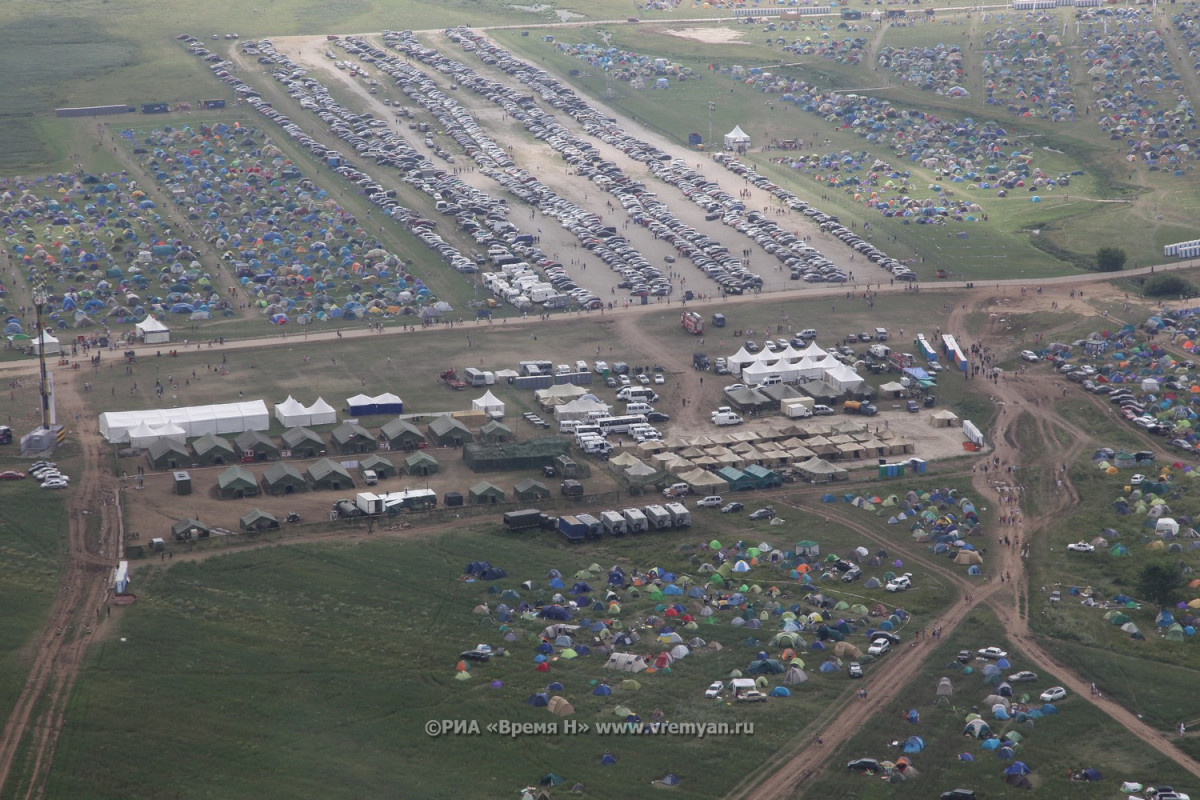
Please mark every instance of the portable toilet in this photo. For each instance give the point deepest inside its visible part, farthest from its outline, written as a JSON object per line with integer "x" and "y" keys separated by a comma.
{"x": 183, "y": 482}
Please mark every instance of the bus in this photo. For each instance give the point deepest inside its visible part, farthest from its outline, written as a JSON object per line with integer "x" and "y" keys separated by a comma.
{"x": 619, "y": 424}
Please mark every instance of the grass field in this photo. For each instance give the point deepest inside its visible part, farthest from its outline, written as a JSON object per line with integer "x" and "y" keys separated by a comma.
{"x": 1078, "y": 736}
{"x": 318, "y": 666}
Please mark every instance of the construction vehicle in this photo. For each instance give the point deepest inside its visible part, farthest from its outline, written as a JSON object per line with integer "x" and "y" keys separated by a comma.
{"x": 451, "y": 379}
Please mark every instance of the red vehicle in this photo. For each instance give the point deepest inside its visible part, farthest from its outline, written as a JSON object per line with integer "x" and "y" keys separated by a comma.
{"x": 451, "y": 379}
{"x": 692, "y": 322}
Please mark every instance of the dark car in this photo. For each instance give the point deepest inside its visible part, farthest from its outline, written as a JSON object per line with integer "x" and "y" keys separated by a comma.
{"x": 853, "y": 574}
{"x": 476, "y": 655}
{"x": 763, "y": 513}
{"x": 964, "y": 656}
{"x": 959, "y": 794}
{"x": 731, "y": 507}
{"x": 863, "y": 765}
{"x": 658, "y": 416}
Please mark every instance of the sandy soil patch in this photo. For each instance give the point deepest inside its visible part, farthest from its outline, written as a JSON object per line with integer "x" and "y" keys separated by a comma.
{"x": 707, "y": 35}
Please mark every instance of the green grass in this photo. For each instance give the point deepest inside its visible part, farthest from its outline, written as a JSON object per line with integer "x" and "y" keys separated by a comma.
{"x": 1079, "y": 735}
{"x": 313, "y": 668}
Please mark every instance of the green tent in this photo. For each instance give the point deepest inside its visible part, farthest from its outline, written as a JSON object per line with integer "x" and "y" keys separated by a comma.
{"x": 236, "y": 482}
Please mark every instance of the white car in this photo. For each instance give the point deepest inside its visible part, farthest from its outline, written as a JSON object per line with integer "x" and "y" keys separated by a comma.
{"x": 900, "y": 583}
{"x": 601, "y": 367}
{"x": 1053, "y": 694}
{"x": 1024, "y": 676}
{"x": 879, "y": 647}
{"x": 733, "y": 387}
{"x": 1029, "y": 356}
{"x": 714, "y": 689}
{"x": 659, "y": 379}
{"x": 1080, "y": 547}
{"x": 712, "y": 501}
{"x": 1137, "y": 480}
{"x": 57, "y": 483}
{"x": 991, "y": 652}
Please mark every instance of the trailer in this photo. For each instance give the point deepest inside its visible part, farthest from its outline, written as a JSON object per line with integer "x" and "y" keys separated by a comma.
{"x": 680, "y": 516}
{"x": 520, "y": 520}
{"x": 595, "y": 529}
{"x": 635, "y": 520}
{"x": 692, "y": 322}
{"x": 614, "y": 523}
{"x": 657, "y": 517}
{"x": 572, "y": 529}
{"x": 369, "y": 503}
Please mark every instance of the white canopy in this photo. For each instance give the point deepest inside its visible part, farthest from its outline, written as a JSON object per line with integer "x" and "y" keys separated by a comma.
{"x": 142, "y": 436}
{"x": 737, "y": 138}
{"x": 152, "y": 331}
{"x": 291, "y": 413}
{"x": 580, "y": 407}
{"x": 321, "y": 413}
{"x": 46, "y": 340}
{"x": 188, "y": 421}
{"x": 489, "y": 404}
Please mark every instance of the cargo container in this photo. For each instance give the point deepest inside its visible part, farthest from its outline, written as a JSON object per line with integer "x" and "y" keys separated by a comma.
{"x": 572, "y": 529}
{"x": 595, "y": 529}
{"x": 657, "y": 517}
{"x": 635, "y": 519}
{"x": 525, "y": 518}
{"x": 614, "y": 523}
{"x": 680, "y": 516}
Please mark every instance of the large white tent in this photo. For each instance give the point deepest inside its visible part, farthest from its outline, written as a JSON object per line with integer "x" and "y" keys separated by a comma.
{"x": 291, "y": 413}
{"x": 153, "y": 332}
{"x": 580, "y": 407}
{"x": 321, "y": 413}
{"x": 192, "y": 420}
{"x": 737, "y": 139}
{"x": 46, "y": 340}
{"x": 489, "y": 404}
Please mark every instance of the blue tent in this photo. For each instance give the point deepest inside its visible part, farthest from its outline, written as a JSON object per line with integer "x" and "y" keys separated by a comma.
{"x": 780, "y": 691}
{"x": 914, "y": 744}
{"x": 1017, "y": 768}
{"x": 538, "y": 700}
{"x": 608, "y": 759}
{"x": 602, "y": 690}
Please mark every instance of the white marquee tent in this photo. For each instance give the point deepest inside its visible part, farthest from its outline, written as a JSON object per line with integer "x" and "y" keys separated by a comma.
{"x": 153, "y": 332}
{"x": 192, "y": 420}
{"x": 321, "y": 413}
{"x": 737, "y": 139}
{"x": 291, "y": 413}
{"x": 489, "y": 404}
{"x": 46, "y": 340}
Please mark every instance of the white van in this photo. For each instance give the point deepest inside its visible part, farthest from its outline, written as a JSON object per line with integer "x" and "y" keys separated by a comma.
{"x": 581, "y": 366}
{"x": 638, "y": 408}
{"x": 770, "y": 380}
{"x": 726, "y": 418}
{"x": 633, "y": 394}
{"x": 568, "y": 426}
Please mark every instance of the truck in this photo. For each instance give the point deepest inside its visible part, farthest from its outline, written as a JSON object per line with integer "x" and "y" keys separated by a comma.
{"x": 520, "y": 520}
{"x": 614, "y": 523}
{"x": 594, "y": 528}
{"x": 369, "y": 503}
{"x": 857, "y": 407}
{"x": 657, "y": 517}
{"x": 879, "y": 351}
{"x": 692, "y": 322}
{"x": 451, "y": 379}
{"x": 797, "y": 407}
{"x": 571, "y": 488}
{"x": 635, "y": 520}
{"x": 680, "y": 516}
{"x": 572, "y": 529}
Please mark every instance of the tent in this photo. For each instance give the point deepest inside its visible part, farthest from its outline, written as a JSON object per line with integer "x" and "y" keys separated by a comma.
{"x": 321, "y": 413}
{"x": 282, "y": 478}
{"x": 302, "y": 443}
{"x": 255, "y": 446}
{"x": 379, "y": 465}
{"x": 626, "y": 662}
{"x": 236, "y": 482}
{"x": 45, "y": 342}
{"x": 351, "y": 438}
{"x": 326, "y": 474}
{"x": 189, "y": 529}
{"x": 485, "y": 493}
{"x": 167, "y": 454}
{"x": 258, "y": 520}
{"x": 421, "y": 464}
{"x": 211, "y": 450}
{"x": 291, "y": 413}
{"x": 361, "y": 405}
{"x": 402, "y": 435}
{"x": 152, "y": 331}
{"x": 495, "y": 432}
{"x": 489, "y": 404}
{"x": 737, "y": 140}
{"x": 387, "y": 403}
{"x": 446, "y": 431}
{"x": 559, "y": 706}
{"x": 530, "y": 490}
{"x": 192, "y": 420}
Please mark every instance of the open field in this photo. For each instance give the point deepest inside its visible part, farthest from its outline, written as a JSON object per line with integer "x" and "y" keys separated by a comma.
{"x": 309, "y": 660}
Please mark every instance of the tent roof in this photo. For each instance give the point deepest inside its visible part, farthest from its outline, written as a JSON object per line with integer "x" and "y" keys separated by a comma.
{"x": 280, "y": 471}
{"x": 738, "y": 134}
{"x": 235, "y": 476}
{"x": 151, "y": 325}
{"x": 298, "y": 435}
{"x": 319, "y": 470}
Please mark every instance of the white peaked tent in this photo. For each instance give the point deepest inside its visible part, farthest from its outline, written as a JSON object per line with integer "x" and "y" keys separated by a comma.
{"x": 169, "y": 430}
{"x": 153, "y": 332}
{"x": 812, "y": 351}
{"x": 843, "y": 378}
{"x": 580, "y": 407}
{"x": 489, "y": 404}
{"x": 291, "y": 413}
{"x": 741, "y": 358}
{"x": 46, "y": 340}
{"x": 142, "y": 436}
{"x": 319, "y": 413}
{"x": 736, "y": 138}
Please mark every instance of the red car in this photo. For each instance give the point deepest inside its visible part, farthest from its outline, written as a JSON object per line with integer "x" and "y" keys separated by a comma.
{"x": 11, "y": 475}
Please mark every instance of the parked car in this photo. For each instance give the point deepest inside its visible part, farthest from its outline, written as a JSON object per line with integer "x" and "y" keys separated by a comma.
{"x": 11, "y": 475}
{"x": 659, "y": 379}
{"x": 56, "y": 483}
{"x": 863, "y": 765}
{"x": 729, "y": 508}
{"x": 1137, "y": 480}
{"x": 658, "y": 416}
{"x": 855, "y": 670}
{"x": 1053, "y": 694}
{"x": 1029, "y": 356}
{"x": 712, "y": 501}
{"x": 852, "y": 574}
{"x": 476, "y": 654}
{"x": 964, "y": 656}
{"x": 992, "y": 652}
{"x": 763, "y": 513}
{"x": 900, "y": 583}
{"x": 1024, "y": 676}
{"x": 1080, "y": 547}
{"x": 958, "y": 794}
{"x": 752, "y": 696}
{"x": 879, "y": 647}
{"x": 714, "y": 689}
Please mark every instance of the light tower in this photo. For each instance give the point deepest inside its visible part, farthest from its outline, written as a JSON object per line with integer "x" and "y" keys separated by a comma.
{"x": 39, "y": 302}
